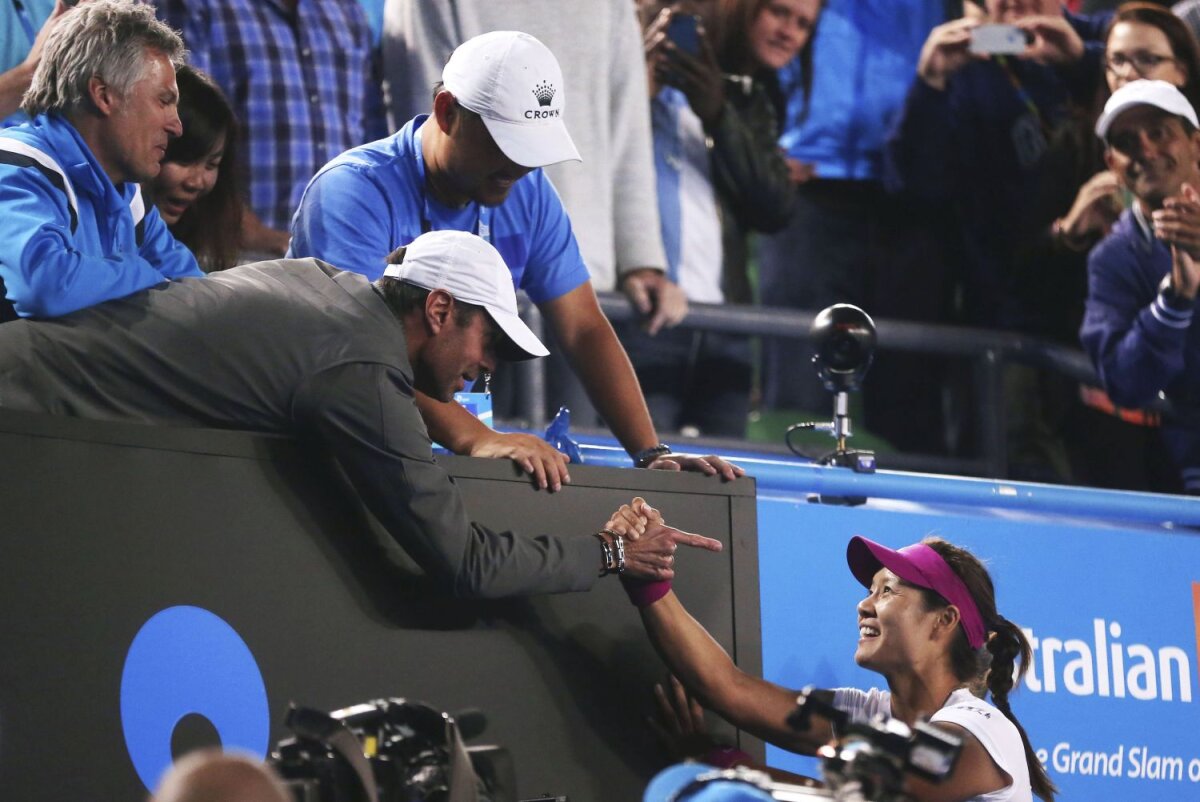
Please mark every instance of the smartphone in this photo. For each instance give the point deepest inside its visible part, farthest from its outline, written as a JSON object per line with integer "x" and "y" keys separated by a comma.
{"x": 684, "y": 31}
{"x": 998, "y": 40}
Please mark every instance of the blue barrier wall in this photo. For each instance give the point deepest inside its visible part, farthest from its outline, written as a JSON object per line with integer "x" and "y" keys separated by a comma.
{"x": 1106, "y": 584}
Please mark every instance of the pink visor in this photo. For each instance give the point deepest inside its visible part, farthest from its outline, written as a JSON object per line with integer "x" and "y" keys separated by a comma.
{"x": 918, "y": 565}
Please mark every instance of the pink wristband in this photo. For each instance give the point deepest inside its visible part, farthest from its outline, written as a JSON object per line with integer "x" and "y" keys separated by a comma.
{"x": 725, "y": 757}
{"x": 644, "y": 593}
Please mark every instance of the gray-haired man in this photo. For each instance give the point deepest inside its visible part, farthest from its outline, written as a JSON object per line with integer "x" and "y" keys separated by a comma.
{"x": 74, "y": 228}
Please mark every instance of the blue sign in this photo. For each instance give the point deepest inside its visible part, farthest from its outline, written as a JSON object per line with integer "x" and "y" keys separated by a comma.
{"x": 1112, "y": 613}
{"x": 187, "y": 660}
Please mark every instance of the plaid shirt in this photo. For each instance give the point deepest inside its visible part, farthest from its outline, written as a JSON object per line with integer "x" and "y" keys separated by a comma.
{"x": 300, "y": 82}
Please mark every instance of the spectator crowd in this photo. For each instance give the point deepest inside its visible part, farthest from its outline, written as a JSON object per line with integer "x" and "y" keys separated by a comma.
{"x": 792, "y": 153}
{"x": 394, "y": 174}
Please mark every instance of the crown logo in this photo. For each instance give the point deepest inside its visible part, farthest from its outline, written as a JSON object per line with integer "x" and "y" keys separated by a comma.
{"x": 544, "y": 93}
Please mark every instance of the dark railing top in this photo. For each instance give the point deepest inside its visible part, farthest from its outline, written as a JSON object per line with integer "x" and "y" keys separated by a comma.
{"x": 900, "y": 335}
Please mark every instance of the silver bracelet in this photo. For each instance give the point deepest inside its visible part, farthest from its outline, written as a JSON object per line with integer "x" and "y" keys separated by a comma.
{"x": 620, "y": 543}
{"x": 611, "y": 566}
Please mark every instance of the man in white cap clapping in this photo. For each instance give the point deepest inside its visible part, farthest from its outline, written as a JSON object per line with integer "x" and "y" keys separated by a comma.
{"x": 472, "y": 165}
{"x": 298, "y": 347}
{"x": 1139, "y": 327}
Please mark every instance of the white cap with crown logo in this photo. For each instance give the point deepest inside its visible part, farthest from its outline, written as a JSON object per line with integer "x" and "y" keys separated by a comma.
{"x": 514, "y": 83}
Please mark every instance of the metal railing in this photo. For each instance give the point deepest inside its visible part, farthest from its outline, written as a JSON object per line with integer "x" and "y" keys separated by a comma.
{"x": 986, "y": 350}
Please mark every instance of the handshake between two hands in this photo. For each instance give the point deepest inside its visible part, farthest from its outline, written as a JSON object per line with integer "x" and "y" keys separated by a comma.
{"x": 650, "y": 544}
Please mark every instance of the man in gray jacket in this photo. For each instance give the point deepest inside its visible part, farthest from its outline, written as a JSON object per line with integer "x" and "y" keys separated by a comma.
{"x": 297, "y": 347}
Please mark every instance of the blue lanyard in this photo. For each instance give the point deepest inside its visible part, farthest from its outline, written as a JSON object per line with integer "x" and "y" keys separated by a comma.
{"x": 26, "y": 22}
{"x": 483, "y": 214}
{"x": 1022, "y": 92}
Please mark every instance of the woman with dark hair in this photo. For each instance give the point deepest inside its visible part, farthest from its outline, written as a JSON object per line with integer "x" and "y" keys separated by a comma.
{"x": 928, "y": 624}
{"x": 729, "y": 81}
{"x": 196, "y": 191}
{"x": 714, "y": 111}
{"x": 1149, "y": 41}
{"x": 747, "y": 42}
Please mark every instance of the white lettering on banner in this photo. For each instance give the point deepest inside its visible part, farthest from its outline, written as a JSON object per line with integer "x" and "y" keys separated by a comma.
{"x": 1134, "y": 763}
{"x": 1065, "y": 760}
{"x": 1144, "y": 765}
{"x": 1107, "y": 667}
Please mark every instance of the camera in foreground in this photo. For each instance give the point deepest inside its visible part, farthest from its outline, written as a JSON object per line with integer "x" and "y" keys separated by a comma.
{"x": 390, "y": 750}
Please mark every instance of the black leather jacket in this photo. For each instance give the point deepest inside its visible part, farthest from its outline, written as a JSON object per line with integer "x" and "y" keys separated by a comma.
{"x": 749, "y": 175}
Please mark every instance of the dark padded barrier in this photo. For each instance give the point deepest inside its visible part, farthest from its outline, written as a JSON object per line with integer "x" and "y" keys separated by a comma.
{"x": 105, "y": 525}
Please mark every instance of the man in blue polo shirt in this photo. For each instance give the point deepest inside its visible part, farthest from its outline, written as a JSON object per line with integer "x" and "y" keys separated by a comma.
{"x": 472, "y": 165}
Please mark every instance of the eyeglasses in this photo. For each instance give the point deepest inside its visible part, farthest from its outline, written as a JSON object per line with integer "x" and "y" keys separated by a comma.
{"x": 1142, "y": 62}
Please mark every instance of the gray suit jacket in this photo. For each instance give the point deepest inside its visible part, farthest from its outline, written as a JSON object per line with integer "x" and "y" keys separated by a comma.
{"x": 294, "y": 347}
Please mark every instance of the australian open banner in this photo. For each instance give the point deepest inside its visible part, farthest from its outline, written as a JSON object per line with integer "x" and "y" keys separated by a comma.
{"x": 1112, "y": 614}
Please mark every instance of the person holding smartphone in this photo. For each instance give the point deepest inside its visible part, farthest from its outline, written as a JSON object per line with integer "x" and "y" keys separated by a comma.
{"x": 997, "y": 134}
{"x": 711, "y": 68}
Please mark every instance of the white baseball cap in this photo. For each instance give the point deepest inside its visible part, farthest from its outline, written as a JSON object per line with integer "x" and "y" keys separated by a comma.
{"x": 514, "y": 83}
{"x": 1159, "y": 94}
{"x": 471, "y": 270}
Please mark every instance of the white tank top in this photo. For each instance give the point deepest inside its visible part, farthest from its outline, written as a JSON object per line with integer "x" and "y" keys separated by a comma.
{"x": 990, "y": 727}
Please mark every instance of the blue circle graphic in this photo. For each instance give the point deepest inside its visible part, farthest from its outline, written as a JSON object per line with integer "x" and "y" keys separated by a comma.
{"x": 188, "y": 660}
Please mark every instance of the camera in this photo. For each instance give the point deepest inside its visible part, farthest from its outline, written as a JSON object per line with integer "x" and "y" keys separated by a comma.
{"x": 867, "y": 762}
{"x": 388, "y": 750}
{"x": 843, "y": 342}
{"x": 871, "y": 757}
{"x": 843, "y": 339}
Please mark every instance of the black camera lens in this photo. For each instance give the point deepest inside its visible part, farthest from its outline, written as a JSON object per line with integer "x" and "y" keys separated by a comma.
{"x": 843, "y": 338}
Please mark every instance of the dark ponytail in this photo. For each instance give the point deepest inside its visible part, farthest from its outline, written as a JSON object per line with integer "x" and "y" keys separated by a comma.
{"x": 996, "y": 663}
{"x": 1006, "y": 643}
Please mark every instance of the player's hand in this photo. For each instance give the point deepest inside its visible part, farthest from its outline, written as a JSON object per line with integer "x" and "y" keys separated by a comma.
{"x": 535, "y": 456}
{"x": 631, "y": 519}
{"x": 680, "y": 722}
{"x": 652, "y": 556}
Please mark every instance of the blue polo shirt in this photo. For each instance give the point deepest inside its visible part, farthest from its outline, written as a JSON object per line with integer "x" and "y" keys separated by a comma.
{"x": 372, "y": 199}
{"x": 20, "y": 21}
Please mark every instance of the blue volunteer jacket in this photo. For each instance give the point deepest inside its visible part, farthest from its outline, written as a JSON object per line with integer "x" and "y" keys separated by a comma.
{"x": 69, "y": 238}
